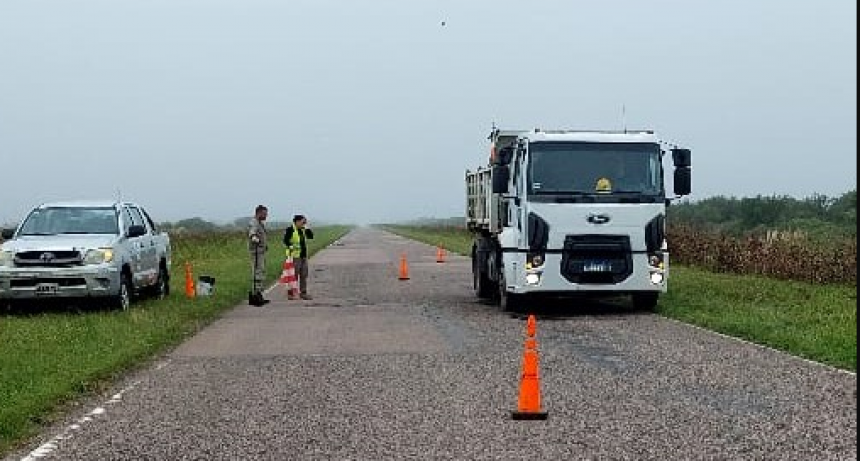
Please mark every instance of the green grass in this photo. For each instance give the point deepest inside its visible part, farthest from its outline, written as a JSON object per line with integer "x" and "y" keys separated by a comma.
{"x": 50, "y": 358}
{"x": 818, "y": 322}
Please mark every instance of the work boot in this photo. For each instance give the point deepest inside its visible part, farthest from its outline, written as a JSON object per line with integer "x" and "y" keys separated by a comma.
{"x": 258, "y": 300}
{"x": 306, "y": 297}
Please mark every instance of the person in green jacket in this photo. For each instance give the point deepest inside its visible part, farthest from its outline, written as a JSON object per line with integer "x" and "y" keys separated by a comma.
{"x": 295, "y": 238}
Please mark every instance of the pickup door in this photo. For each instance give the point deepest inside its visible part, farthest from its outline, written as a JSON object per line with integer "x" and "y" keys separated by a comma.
{"x": 143, "y": 253}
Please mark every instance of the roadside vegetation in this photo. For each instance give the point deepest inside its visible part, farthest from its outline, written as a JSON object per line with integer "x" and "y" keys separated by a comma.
{"x": 52, "y": 356}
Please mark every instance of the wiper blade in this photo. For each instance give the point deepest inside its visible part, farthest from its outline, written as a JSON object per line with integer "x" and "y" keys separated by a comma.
{"x": 36, "y": 234}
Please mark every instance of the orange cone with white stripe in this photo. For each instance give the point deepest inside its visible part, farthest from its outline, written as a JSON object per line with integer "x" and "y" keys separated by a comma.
{"x": 529, "y": 405}
{"x": 288, "y": 278}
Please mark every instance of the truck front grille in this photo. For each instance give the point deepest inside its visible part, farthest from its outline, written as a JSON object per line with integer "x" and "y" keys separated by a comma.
{"x": 48, "y": 259}
{"x": 596, "y": 259}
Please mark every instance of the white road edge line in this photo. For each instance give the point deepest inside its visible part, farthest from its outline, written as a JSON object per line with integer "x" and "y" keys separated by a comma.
{"x": 762, "y": 346}
{"x": 52, "y": 445}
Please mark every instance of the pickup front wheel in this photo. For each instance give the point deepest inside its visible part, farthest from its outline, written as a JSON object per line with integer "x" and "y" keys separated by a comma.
{"x": 122, "y": 300}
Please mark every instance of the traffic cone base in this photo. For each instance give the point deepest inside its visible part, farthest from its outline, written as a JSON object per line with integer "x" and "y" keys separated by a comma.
{"x": 529, "y": 415}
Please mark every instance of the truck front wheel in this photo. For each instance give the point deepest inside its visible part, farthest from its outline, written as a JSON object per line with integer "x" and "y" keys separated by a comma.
{"x": 645, "y": 301}
{"x": 508, "y": 301}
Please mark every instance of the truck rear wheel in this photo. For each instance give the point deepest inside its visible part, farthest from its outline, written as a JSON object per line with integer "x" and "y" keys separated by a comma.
{"x": 480, "y": 282}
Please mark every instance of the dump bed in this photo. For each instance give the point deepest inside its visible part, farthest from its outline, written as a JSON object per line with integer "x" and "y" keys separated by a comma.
{"x": 480, "y": 201}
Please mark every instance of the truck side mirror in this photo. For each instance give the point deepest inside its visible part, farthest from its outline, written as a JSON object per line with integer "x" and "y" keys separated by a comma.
{"x": 501, "y": 176}
{"x": 7, "y": 234}
{"x": 506, "y": 155}
{"x": 681, "y": 158}
{"x": 136, "y": 231}
{"x": 683, "y": 181}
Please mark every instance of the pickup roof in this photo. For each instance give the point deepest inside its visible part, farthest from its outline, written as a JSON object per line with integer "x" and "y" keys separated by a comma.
{"x": 107, "y": 250}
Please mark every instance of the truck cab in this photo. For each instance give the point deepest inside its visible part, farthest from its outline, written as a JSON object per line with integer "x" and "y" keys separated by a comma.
{"x": 562, "y": 212}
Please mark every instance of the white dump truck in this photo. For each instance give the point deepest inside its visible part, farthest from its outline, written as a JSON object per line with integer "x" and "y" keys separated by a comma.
{"x": 568, "y": 212}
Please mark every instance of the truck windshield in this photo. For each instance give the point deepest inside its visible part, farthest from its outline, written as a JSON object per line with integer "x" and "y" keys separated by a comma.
{"x": 595, "y": 169}
{"x": 70, "y": 220}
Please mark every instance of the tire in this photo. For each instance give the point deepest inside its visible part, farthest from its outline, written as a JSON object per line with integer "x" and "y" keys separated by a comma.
{"x": 508, "y": 302}
{"x": 122, "y": 300}
{"x": 480, "y": 282}
{"x": 645, "y": 301}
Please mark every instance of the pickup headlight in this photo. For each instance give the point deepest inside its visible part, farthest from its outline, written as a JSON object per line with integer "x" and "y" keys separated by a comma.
{"x": 7, "y": 258}
{"x": 99, "y": 256}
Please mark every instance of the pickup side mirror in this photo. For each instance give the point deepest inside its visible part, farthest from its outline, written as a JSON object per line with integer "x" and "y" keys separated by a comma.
{"x": 683, "y": 181}
{"x": 501, "y": 175}
{"x": 136, "y": 231}
{"x": 7, "y": 234}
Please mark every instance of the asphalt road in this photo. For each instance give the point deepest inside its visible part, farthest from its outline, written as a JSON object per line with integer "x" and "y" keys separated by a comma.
{"x": 379, "y": 368}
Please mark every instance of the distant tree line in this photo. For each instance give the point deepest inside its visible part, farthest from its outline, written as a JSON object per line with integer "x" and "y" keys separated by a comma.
{"x": 199, "y": 225}
{"x": 818, "y": 216}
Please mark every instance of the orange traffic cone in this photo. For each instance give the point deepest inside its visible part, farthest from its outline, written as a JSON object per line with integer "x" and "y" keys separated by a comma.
{"x": 404, "y": 268}
{"x": 440, "y": 254}
{"x": 529, "y": 402}
{"x": 288, "y": 278}
{"x": 189, "y": 281}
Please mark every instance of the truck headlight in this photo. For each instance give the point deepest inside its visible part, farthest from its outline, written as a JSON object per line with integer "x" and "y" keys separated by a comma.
{"x": 655, "y": 260}
{"x": 7, "y": 258}
{"x": 533, "y": 278}
{"x": 534, "y": 260}
{"x": 657, "y": 278}
{"x": 99, "y": 256}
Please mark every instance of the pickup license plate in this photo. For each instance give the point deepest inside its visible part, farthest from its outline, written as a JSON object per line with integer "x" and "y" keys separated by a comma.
{"x": 597, "y": 266}
{"x": 47, "y": 289}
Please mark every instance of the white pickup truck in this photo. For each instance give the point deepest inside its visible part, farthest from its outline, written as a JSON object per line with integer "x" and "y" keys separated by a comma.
{"x": 109, "y": 250}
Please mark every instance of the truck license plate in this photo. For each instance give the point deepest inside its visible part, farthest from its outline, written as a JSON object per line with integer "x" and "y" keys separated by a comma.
{"x": 597, "y": 266}
{"x": 47, "y": 289}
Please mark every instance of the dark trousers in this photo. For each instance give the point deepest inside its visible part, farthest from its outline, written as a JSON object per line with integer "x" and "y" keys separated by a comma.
{"x": 302, "y": 274}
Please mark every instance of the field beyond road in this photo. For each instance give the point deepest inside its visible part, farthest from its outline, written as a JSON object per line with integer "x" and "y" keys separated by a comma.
{"x": 380, "y": 368}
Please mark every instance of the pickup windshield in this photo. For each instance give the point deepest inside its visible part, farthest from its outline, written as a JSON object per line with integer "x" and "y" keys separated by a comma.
{"x": 566, "y": 170}
{"x": 71, "y": 220}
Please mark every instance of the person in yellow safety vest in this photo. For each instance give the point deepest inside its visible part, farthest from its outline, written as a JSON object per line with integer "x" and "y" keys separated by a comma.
{"x": 295, "y": 238}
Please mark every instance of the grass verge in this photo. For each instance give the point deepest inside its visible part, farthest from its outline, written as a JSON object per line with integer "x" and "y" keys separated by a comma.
{"x": 50, "y": 358}
{"x": 817, "y": 322}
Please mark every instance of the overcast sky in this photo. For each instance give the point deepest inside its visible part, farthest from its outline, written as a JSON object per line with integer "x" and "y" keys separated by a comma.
{"x": 369, "y": 111}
